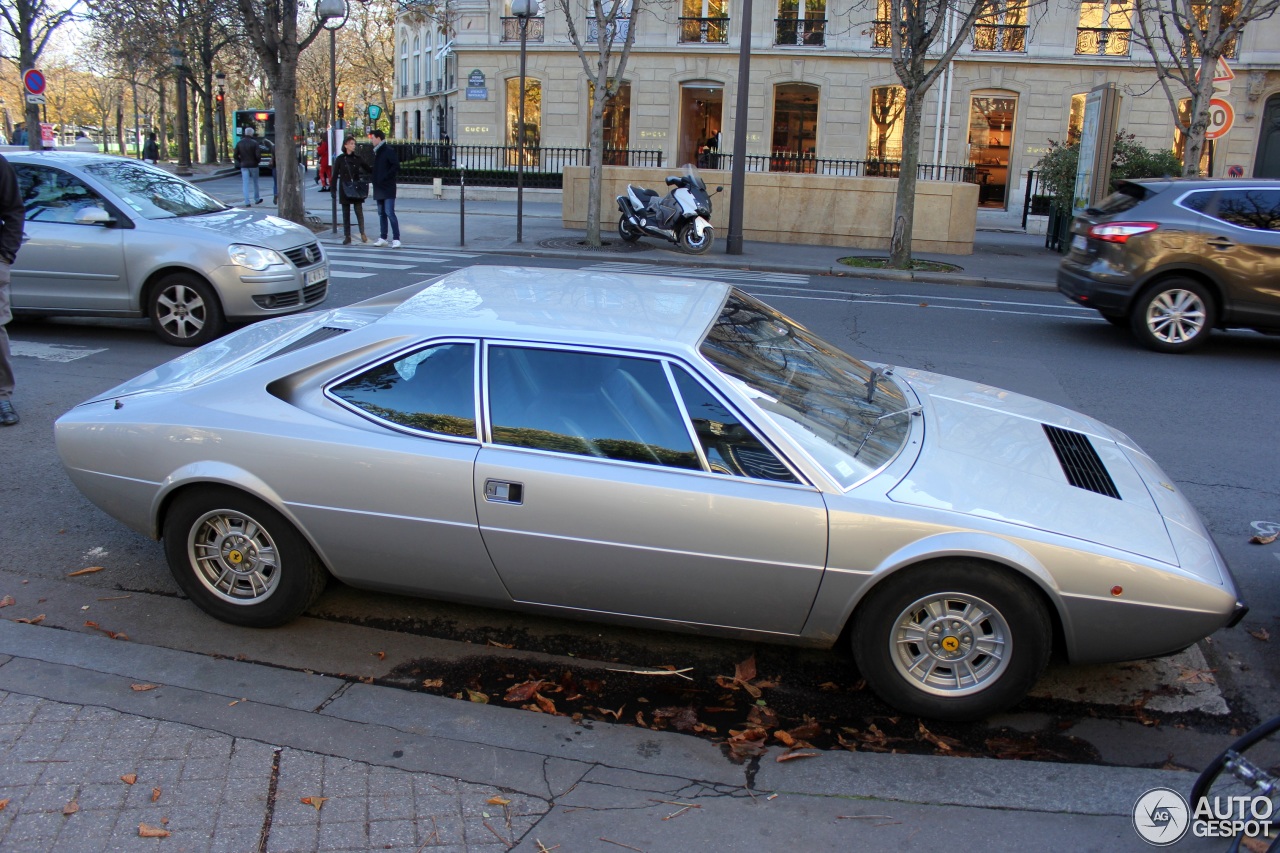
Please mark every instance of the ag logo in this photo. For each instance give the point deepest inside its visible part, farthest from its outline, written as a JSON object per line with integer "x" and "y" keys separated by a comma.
{"x": 1161, "y": 817}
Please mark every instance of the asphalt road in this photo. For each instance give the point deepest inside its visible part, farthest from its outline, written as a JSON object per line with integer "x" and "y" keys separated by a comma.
{"x": 1208, "y": 419}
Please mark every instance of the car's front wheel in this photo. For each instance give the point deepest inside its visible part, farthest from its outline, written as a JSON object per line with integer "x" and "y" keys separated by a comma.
{"x": 1174, "y": 315}
{"x": 185, "y": 311}
{"x": 238, "y": 559}
{"x": 952, "y": 640}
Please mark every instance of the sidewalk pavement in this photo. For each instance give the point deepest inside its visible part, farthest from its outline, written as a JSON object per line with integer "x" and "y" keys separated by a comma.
{"x": 105, "y": 743}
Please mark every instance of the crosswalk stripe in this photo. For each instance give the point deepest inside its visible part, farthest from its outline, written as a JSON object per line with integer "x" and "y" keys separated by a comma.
{"x": 701, "y": 272}
{"x": 415, "y": 253}
{"x": 370, "y": 264}
{"x": 348, "y": 274}
{"x": 51, "y": 352}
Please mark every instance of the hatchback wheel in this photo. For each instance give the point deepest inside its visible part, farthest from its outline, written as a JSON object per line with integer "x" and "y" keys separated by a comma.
{"x": 185, "y": 310}
{"x": 239, "y": 560}
{"x": 1175, "y": 315}
{"x": 954, "y": 640}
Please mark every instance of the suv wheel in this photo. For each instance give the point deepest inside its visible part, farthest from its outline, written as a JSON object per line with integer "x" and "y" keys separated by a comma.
{"x": 1174, "y": 315}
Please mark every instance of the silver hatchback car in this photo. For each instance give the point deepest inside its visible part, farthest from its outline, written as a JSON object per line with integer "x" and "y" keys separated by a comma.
{"x": 111, "y": 237}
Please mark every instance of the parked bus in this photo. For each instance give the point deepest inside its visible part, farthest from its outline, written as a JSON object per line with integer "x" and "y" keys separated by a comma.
{"x": 264, "y": 124}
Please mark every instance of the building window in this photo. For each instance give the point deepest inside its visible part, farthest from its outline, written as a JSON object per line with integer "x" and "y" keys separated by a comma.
{"x": 704, "y": 22}
{"x": 795, "y": 128}
{"x": 535, "y": 29}
{"x": 621, "y": 24}
{"x": 417, "y": 64}
{"x": 880, "y": 26}
{"x": 990, "y": 136}
{"x": 801, "y": 22}
{"x": 1180, "y": 140}
{"x": 1002, "y": 32}
{"x": 1105, "y": 27}
{"x": 884, "y": 140}
{"x": 617, "y": 123}
{"x": 1075, "y": 119}
{"x": 404, "y": 67}
{"x": 1202, "y": 11}
{"x": 532, "y": 115}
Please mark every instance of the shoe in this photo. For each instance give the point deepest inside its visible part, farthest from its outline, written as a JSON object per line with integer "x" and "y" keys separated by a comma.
{"x": 395, "y": 244}
{"x": 346, "y": 241}
{"x": 324, "y": 189}
{"x": 8, "y": 417}
{"x": 381, "y": 241}
{"x": 259, "y": 201}
{"x": 364, "y": 238}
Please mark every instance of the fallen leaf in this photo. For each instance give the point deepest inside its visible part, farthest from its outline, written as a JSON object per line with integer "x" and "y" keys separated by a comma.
{"x": 155, "y": 794}
{"x": 684, "y": 719}
{"x": 140, "y": 688}
{"x": 545, "y": 705}
{"x": 129, "y": 778}
{"x": 924, "y": 304}
{"x": 380, "y": 655}
{"x": 1264, "y": 540}
{"x": 746, "y": 743}
{"x": 4, "y": 804}
{"x": 433, "y": 683}
{"x": 145, "y": 831}
{"x": 71, "y": 808}
{"x": 828, "y": 687}
{"x": 746, "y": 670}
{"x": 760, "y": 715}
{"x": 477, "y": 696}
{"x": 87, "y": 571}
{"x": 523, "y": 691}
{"x": 784, "y": 737}
{"x": 1196, "y": 676}
{"x": 791, "y": 756}
{"x": 946, "y": 744}
{"x": 34, "y": 620}
{"x": 317, "y": 802}
{"x": 1260, "y": 634}
{"x": 617, "y": 715}
{"x": 497, "y": 801}
{"x": 807, "y": 731}
{"x": 496, "y": 644}
{"x": 7, "y": 600}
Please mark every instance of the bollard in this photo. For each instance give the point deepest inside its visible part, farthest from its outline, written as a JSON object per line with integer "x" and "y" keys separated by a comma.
{"x": 437, "y": 187}
{"x": 462, "y": 206}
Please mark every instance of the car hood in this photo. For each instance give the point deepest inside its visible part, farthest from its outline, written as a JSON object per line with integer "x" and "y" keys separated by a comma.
{"x": 1004, "y": 456}
{"x": 240, "y": 226}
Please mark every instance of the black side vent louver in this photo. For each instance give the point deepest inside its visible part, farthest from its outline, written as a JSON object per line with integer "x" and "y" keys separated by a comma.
{"x": 1080, "y": 461}
{"x": 321, "y": 334}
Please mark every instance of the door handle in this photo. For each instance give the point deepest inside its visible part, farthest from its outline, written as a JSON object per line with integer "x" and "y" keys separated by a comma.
{"x": 503, "y": 492}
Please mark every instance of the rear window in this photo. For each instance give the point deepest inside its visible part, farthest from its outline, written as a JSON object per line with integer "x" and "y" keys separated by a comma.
{"x": 1126, "y": 197}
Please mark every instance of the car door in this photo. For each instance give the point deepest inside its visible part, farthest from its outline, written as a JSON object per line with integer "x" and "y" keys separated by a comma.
{"x": 592, "y": 495}
{"x": 1243, "y": 243}
{"x": 65, "y": 264}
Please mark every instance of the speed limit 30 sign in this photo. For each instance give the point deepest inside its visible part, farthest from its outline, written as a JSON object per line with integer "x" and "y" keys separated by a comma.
{"x": 1221, "y": 117}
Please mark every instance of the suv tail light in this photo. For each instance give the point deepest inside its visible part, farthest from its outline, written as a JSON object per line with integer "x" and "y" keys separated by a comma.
{"x": 1119, "y": 232}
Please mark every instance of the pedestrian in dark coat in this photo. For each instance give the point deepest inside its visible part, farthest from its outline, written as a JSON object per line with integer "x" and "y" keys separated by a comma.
{"x": 150, "y": 151}
{"x": 349, "y": 176}
{"x": 386, "y": 166}
{"x": 12, "y": 215}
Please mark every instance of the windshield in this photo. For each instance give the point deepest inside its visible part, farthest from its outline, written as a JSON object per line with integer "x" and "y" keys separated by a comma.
{"x": 694, "y": 179}
{"x": 850, "y": 419}
{"x": 153, "y": 193}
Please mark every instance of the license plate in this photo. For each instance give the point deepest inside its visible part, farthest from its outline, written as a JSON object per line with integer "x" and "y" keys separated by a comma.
{"x": 317, "y": 275}
{"x": 1079, "y": 243}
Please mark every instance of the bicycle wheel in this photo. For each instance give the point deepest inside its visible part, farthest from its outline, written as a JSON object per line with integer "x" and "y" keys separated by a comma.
{"x": 1249, "y": 769}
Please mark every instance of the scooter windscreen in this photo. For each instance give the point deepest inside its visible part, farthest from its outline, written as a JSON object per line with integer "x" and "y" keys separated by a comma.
{"x": 693, "y": 179}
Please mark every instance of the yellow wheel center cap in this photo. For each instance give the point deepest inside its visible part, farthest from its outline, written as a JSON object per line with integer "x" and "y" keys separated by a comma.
{"x": 235, "y": 557}
{"x": 950, "y": 643}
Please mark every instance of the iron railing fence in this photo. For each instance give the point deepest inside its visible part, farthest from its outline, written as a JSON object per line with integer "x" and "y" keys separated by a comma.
{"x": 805, "y": 164}
{"x": 497, "y": 165}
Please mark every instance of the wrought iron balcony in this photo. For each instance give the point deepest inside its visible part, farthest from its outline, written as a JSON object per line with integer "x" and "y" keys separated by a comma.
{"x": 704, "y": 30}
{"x": 621, "y": 27}
{"x": 805, "y": 32}
{"x": 428, "y": 84}
{"x": 404, "y": 90}
{"x": 1000, "y": 38}
{"x": 417, "y": 88}
{"x": 1102, "y": 41}
{"x": 511, "y": 29}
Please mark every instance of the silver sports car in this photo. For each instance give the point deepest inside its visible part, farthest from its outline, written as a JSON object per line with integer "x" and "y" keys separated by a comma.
{"x": 658, "y": 452}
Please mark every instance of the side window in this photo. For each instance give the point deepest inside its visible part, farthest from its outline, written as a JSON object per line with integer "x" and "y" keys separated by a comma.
{"x": 730, "y": 446}
{"x": 589, "y": 404}
{"x": 1199, "y": 202}
{"x": 1258, "y": 210}
{"x": 432, "y": 390}
{"x": 52, "y": 195}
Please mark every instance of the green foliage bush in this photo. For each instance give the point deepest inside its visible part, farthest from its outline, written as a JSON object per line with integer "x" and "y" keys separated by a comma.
{"x": 1131, "y": 160}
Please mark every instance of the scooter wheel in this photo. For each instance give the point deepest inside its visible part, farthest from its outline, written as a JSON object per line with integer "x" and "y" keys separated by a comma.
{"x": 627, "y": 231}
{"x": 690, "y": 242}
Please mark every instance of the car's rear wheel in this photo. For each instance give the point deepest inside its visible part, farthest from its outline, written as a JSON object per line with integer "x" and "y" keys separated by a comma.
{"x": 952, "y": 640}
{"x": 238, "y": 559}
{"x": 185, "y": 310}
{"x": 1174, "y": 315}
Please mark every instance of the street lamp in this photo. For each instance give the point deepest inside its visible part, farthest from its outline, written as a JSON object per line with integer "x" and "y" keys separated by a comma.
{"x": 332, "y": 14}
{"x": 184, "y": 149}
{"x": 522, "y": 9}
{"x": 222, "y": 115}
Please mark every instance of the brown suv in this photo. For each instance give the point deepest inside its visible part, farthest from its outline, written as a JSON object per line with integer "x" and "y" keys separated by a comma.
{"x": 1175, "y": 258}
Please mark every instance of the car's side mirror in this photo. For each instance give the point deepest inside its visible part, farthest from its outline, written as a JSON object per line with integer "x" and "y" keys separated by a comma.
{"x": 94, "y": 215}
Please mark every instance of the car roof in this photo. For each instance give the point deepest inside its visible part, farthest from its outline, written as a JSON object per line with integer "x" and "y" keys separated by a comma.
{"x": 64, "y": 158}
{"x": 565, "y": 306}
{"x": 1161, "y": 184}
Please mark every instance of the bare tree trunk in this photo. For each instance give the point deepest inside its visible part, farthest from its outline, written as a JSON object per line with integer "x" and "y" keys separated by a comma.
{"x": 285, "y": 162}
{"x": 162, "y": 121}
{"x": 905, "y": 204}
{"x": 1193, "y": 148}
{"x": 595, "y": 177}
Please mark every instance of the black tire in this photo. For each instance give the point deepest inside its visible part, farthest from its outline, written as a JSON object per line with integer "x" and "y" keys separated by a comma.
{"x": 1173, "y": 315}
{"x": 1248, "y": 767}
{"x": 986, "y": 610}
{"x": 688, "y": 240}
{"x": 627, "y": 231}
{"x": 238, "y": 559}
{"x": 185, "y": 311}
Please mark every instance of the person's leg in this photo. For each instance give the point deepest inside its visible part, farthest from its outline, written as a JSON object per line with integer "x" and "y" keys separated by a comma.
{"x": 8, "y": 417}
{"x": 346, "y": 221}
{"x": 364, "y": 238}
{"x": 382, "y": 219}
{"x": 390, "y": 205}
{"x": 244, "y": 185}
{"x": 257, "y": 193}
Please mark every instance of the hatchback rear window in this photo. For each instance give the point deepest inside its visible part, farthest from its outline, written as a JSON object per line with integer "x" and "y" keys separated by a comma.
{"x": 1126, "y": 197}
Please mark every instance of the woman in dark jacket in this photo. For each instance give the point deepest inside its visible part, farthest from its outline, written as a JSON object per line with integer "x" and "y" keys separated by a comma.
{"x": 348, "y": 172}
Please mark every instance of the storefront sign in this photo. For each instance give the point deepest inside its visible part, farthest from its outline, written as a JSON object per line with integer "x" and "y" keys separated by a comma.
{"x": 475, "y": 128}
{"x": 653, "y": 134}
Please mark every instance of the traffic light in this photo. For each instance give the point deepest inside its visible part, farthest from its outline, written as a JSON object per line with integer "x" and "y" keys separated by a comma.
{"x": 219, "y": 98}
{"x": 342, "y": 109}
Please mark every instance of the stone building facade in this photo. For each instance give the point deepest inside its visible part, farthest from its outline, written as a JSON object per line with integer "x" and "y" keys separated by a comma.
{"x": 821, "y": 86}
